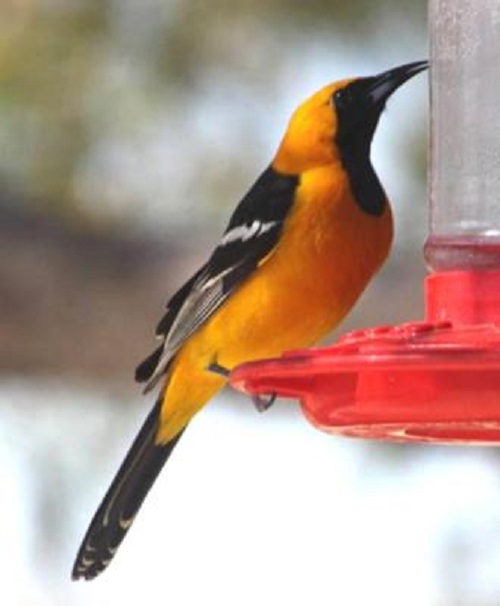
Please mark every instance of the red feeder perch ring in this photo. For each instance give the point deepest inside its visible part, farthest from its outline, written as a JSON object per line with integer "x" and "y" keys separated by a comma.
{"x": 431, "y": 381}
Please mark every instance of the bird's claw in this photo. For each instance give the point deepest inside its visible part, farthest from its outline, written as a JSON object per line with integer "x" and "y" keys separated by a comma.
{"x": 263, "y": 402}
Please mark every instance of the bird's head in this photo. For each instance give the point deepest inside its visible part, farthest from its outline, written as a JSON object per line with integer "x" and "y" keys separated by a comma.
{"x": 341, "y": 116}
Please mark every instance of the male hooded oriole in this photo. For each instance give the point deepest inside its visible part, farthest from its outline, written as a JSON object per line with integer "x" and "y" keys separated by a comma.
{"x": 297, "y": 253}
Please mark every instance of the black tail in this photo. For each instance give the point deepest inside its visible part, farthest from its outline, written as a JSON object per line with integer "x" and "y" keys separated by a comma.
{"x": 128, "y": 490}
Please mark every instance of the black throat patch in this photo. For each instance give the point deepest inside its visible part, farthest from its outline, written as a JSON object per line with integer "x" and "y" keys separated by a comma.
{"x": 353, "y": 140}
{"x": 366, "y": 187}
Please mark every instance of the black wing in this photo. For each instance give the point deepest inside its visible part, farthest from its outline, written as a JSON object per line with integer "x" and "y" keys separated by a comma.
{"x": 251, "y": 235}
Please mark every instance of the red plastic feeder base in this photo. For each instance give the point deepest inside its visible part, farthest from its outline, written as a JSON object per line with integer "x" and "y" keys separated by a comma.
{"x": 431, "y": 381}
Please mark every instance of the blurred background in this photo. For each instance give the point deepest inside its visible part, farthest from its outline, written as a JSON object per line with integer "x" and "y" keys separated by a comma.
{"x": 128, "y": 132}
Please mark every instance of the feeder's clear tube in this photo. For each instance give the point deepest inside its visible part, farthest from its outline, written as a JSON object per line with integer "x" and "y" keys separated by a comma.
{"x": 465, "y": 135}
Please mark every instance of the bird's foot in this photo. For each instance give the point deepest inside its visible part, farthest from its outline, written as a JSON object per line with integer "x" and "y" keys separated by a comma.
{"x": 263, "y": 402}
{"x": 217, "y": 369}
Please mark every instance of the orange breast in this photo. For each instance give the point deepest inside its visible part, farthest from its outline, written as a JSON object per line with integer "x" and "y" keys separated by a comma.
{"x": 329, "y": 250}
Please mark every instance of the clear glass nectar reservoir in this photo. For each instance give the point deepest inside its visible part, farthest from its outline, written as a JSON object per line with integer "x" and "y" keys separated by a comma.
{"x": 465, "y": 135}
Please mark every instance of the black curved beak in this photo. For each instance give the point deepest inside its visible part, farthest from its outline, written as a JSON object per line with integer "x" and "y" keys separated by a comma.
{"x": 361, "y": 102}
{"x": 381, "y": 87}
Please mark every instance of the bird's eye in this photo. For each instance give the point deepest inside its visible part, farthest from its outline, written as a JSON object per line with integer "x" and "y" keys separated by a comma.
{"x": 342, "y": 97}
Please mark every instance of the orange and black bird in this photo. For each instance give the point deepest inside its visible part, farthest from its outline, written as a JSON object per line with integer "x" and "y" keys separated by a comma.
{"x": 298, "y": 251}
